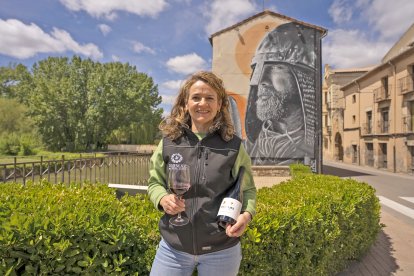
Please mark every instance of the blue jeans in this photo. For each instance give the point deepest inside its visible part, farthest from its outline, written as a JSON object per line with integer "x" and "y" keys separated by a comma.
{"x": 171, "y": 262}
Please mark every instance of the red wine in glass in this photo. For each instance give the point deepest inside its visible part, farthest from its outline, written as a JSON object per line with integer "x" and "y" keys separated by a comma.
{"x": 179, "y": 184}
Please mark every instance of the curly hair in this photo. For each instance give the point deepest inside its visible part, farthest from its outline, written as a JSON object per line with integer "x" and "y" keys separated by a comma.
{"x": 173, "y": 126}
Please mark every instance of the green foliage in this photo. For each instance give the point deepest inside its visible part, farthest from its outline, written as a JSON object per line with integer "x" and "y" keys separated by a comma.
{"x": 310, "y": 225}
{"x": 15, "y": 144}
{"x": 13, "y": 81}
{"x": 77, "y": 104}
{"x": 57, "y": 229}
{"x": 299, "y": 169}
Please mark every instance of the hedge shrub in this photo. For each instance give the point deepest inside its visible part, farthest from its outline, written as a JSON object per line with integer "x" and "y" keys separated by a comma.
{"x": 57, "y": 229}
{"x": 310, "y": 225}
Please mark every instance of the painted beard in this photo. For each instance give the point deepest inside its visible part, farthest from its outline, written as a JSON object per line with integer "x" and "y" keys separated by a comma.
{"x": 270, "y": 104}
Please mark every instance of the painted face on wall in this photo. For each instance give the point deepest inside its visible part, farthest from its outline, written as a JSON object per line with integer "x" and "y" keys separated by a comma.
{"x": 203, "y": 105}
{"x": 275, "y": 89}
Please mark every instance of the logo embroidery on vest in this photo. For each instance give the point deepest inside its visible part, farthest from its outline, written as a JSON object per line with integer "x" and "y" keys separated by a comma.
{"x": 176, "y": 158}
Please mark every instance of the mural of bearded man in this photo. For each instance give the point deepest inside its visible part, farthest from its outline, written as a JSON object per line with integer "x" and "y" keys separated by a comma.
{"x": 280, "y": 117}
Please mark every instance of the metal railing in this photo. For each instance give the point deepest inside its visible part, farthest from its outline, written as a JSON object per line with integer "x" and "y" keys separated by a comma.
{"x": 384, "y": 126}
{"x": 382, "y": 93}
{"x": 405, "y": 84}
{"x": 407, "y": 124}
{"x": 327, "y": 129}
{"x": 113, "y": 167}
{"x": 366, "y": 129}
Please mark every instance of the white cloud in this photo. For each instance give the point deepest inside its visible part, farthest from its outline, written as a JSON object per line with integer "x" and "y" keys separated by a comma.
{"x": 24, "y": 41}
{"x": 340, "y": 11}
{"x": 115, "y": 58}
{"x": 390, "y": 18}
{"x": 138, "y": 47}
{"x": 168, "y": 99}
{"x": 223, "y": 14}
{"x": 108, "y": 8}
{"x": 351, "y": 48}
{"x": 172, "y": 84}
{"x": 186, "y": 64}
{"x": 105, "y": 29}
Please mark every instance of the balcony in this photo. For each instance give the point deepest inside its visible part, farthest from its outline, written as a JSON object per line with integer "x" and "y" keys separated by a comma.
{"x": 382, "y": 93}
{"x": 405, "y": 85}
{"x": 327, "y": 130}
{"x": 367, "y": 129}
{"x": 384, "y": 127}
{"x": 408, "y": 124}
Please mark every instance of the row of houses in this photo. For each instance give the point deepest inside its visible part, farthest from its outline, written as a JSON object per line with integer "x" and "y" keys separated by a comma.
{"x": 368, "y": 113}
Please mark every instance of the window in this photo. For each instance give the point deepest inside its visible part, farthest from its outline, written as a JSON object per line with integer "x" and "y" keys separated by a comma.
{"x": 384, "y": 82}
{"x": 369, "y": 154}
{"x": 382, "y": 158}
{"x": 385, "y": 120}
{"x": 368, "y": 126}
{"x": 353, "y": 98}
{"x": 411, "y": 118}
{"x": 354, "y": 153}
{"x": 353, "y": 119}
{"x": 411, "y": 149}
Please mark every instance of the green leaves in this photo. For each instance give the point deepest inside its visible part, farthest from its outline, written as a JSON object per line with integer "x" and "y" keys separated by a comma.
{"x": 59, "y": 229}
{"x": 77, "y": 104}
{"x": 310, "y": 225}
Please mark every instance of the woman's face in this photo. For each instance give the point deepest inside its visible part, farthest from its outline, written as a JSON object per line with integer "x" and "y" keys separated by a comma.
{"x": 203, "y": 105}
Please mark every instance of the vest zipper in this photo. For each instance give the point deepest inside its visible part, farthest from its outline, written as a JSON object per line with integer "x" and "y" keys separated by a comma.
{"x": 199, "y": 170}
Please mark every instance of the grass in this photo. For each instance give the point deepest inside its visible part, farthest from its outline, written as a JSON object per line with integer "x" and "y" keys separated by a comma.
{"x": 47, "y": 155}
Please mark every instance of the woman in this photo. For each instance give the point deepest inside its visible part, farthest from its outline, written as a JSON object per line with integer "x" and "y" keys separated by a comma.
{"x": 199, "y": 133}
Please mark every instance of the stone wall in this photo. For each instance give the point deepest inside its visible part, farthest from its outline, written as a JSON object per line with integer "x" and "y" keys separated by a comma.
{"x": 277, "y": 171}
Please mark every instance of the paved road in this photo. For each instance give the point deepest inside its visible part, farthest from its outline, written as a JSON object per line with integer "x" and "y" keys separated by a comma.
{"x": 393, "y": 252}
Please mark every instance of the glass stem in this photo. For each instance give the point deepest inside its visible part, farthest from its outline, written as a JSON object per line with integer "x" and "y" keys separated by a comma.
{"x": 179, "y": 214}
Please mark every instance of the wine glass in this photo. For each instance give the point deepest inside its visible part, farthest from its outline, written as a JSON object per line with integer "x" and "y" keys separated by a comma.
{"x": 179, "y": 184}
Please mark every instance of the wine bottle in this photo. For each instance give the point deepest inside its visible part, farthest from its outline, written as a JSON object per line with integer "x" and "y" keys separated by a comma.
{"x": 231, "y": 205}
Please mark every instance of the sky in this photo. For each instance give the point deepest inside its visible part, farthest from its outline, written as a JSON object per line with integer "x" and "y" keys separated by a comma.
{"x": 169, "y": 39}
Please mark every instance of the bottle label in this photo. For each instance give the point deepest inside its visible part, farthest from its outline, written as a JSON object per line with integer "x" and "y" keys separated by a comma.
{"x": 230, "y": 207}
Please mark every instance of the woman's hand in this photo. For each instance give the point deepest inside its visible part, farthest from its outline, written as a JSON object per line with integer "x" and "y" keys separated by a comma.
{"x": 238, "y": 228}
{"x": 172, "y": 205}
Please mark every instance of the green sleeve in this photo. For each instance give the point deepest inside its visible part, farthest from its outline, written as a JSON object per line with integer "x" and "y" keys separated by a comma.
{"x": 248, "y": 186}
{"x": 157, "y": 179}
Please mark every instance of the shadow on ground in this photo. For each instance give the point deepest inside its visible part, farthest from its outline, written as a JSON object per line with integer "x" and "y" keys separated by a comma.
{"x": 341, "y": 172}
{"x": 378, "y": 261}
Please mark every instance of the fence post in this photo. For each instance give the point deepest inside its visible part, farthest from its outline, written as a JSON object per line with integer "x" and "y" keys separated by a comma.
{"x": 63, "y": 168}
{"x": 41, "y": 168}
{"x": 14, "y": 168}
{"x": 80, "y": 168}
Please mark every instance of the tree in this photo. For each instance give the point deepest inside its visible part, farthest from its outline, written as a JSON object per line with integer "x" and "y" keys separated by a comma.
{"x": 12, "y": 81}
{"x": 77, "y": 103}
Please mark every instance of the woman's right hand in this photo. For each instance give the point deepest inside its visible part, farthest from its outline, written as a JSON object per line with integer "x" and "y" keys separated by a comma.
{"x": 172, "y": 205}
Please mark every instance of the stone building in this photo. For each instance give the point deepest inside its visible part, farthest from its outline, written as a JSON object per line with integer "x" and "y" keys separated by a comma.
{"x": 271, "y": 67}
{"x": 333, "y": 105}
{"x": 378, "y": 128}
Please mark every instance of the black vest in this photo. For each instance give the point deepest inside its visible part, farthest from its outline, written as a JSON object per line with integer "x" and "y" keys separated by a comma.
{"x": 211, "y": 161}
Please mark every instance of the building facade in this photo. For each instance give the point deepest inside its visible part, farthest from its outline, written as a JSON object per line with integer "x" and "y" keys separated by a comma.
{"x": 378, "y": 121}
{"x": 271, "y": 68}
{"x": 333, "y": 105}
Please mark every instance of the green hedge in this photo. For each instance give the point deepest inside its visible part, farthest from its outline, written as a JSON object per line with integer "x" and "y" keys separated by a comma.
{"x": 310, "y": 225}
{"x": 54, "y": 229}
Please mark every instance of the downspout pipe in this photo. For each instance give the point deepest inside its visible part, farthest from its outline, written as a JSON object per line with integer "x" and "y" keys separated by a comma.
{"x": 359, "y": 121}
{"x": 394, "y": 89}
